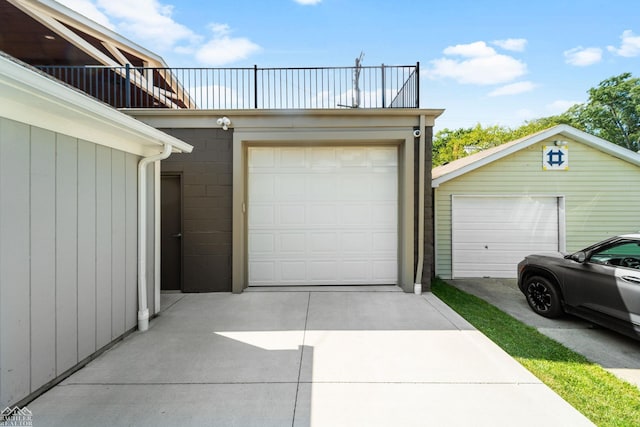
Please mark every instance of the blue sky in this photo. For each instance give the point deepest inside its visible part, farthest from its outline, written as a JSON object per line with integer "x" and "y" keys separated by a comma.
{"x": 484, "y": 61}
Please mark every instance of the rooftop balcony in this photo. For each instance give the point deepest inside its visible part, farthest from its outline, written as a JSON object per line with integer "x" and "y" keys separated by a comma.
{"x": 246, "y": 88}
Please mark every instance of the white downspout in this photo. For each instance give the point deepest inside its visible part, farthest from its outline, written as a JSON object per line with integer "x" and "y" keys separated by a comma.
{"x": 417, "y": 288}
{"x": 143, "y": 310}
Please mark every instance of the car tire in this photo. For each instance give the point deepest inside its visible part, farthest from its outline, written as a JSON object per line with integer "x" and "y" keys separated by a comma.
{"x": 543, "y": 297}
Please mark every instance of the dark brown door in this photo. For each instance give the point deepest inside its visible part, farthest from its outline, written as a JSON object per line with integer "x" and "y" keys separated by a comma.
{"x": 171, "y": 233}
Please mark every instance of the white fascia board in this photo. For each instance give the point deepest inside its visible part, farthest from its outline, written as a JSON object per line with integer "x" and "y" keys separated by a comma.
{"x": 34, "y": 99}
{"x": 601, "y": 144}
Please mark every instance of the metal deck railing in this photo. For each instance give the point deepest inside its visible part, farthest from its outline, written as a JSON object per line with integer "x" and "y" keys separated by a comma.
{"x": 246, "y": 88}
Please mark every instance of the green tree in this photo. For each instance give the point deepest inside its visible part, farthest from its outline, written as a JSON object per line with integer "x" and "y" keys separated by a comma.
{"x": 612, "y": 111}
{"x": 449, "y": 145}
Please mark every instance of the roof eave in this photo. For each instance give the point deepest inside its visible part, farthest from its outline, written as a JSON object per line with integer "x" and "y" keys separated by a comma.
{"x": 38, "y": 100}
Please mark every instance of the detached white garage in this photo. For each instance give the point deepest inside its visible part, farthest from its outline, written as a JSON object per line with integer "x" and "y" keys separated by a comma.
{"x": 322, "y": 215}
{"x": 559, "y": 190}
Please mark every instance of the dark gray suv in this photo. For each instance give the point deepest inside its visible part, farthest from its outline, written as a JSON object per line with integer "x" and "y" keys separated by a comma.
{"x": 600, "y": 283}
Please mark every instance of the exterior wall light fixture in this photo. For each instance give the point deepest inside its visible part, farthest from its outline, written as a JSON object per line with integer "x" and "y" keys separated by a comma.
{"x": 224, "y": 122}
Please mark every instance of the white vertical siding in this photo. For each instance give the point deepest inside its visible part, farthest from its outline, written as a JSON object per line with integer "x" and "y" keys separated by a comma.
{"x": 103, "y": 246}
{"x": 15, "y": 343}
{"x": 602, "y": 194}
{"x": 66, "y": 252}
{"x": 118, "y": 239}
{"x": 68, "y": 243}
{"x": 43, "y": 259}
{"x": 86, "y": 249}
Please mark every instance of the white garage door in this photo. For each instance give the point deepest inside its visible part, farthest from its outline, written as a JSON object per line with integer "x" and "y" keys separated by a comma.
{"x": 490, "y": 235}
{"x": 322, "y": 215}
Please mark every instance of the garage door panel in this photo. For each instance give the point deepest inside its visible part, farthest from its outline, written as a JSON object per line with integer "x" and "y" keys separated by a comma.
{"x": 384, "y": 214}
{"x": 356, "y": 215}
{"x": 263, "y": 188}
{"x": 322, "y": 215}
{"x": 263, "y": 215}
{"x": 355, "y": 187}
{"x": 292, "y": 158}
{"x": 292, "y": 214}
{"x": 323, "y": 271}
{"x": 292, "y": 242}
{"x": 293, "y": 271}
{"x": 262, "y": 158}
{"x": 323, "y": 242}
{"x": 356, "y": 242}
{"x": 323, "y": 158}
{"x": 321, "y": 188}
{"x": 263, "y": 271}
{"x": 262, "y": 243}
{"x": 291, "y": 187}
{"x": 384, "y": 271}
{"x": 504, "y": 235}
{"x": 492, "y": 234}
{"x": 502, "y": 247}
{"x": 385, "y": 242}
{"x": 384, "y": 156}
{"x": 355, "y": 270}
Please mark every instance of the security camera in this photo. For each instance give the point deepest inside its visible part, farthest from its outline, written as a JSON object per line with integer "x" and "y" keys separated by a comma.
{"x": 417, "y": 133}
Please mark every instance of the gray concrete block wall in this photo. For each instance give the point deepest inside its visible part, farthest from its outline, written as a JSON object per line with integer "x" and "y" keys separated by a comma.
{"x": 207, "y": 212}
{"x": 428, "y": 258}
{"x": 68, "y": 243}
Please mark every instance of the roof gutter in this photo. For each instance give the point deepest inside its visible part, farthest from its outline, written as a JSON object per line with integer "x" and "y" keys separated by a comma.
{"x": 143, "y": 310}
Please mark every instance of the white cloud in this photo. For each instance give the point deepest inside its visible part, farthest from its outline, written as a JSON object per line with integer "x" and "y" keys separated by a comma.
{"x": 513, "y": 89}
{"x": 581, "y": 57}
{"x": 149, "y": 21}
{"x": 89, "y": 10}
{"x": 560, "y": 106}
{"x": 471, "y": 50}
{"x": 515, "y": 45}
{"x": 480, "y": 65}
{"x": 629, "y": 47}
{"x": 223, "y": 49}
{"x": 151, "y": 24}
{"x": 308, "y": 2}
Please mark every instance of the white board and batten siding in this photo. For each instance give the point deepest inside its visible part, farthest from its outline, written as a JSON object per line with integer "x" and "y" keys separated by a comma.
{"x": 68, "y": 243}
{"x": 491, "y": 234}
{"x": 323, "y": 215}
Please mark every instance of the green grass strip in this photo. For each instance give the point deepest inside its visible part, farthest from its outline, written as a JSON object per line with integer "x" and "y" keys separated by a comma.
{"x": 601, "y": 396}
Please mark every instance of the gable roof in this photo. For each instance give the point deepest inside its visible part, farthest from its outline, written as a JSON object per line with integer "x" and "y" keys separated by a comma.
{"x": 467, "y": 164}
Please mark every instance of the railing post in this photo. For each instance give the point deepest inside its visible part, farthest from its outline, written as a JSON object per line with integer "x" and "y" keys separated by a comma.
{"x": 418, "y": 84}
{"x": 384, "y": 105}
{"x": 255, "y": 86}
{"x": 127, "y": 82}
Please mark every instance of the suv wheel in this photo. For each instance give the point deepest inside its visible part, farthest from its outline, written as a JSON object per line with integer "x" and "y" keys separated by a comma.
{"x": 543, "y": 297}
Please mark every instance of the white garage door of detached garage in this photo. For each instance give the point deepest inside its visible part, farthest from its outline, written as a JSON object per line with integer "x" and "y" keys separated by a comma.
{"x": 490, "y": 235}
{"x": 322, "y": 216}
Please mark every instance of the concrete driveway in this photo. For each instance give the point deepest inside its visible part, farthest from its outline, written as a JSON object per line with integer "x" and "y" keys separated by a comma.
{"x": 305, "y": 357}
{"x": 615, "y": 352}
